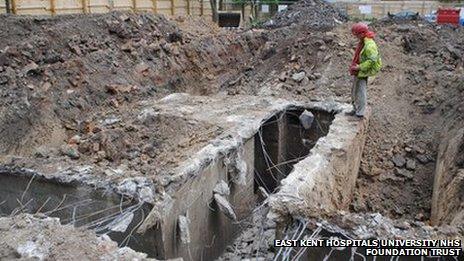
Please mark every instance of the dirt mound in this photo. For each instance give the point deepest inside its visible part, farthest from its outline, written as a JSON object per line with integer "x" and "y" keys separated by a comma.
{"x": 57, "y": 73}
{"x": 315, "y": 14}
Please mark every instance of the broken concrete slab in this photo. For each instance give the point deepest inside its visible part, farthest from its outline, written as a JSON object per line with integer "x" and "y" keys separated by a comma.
{"x": 42, "y": 238}
{"x": 222, "y": 188}
{"x": 225, "y": 207}
{"x": 324, "y": 181}
{"x": 187, "y": 187}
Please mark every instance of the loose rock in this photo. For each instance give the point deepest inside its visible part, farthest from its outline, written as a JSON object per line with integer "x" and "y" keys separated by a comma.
{"x": 399, "y": 160}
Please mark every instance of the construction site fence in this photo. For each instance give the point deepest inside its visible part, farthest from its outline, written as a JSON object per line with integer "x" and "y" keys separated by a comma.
{"x": 379, "y": 9}
{"x": 353, "y": 8}
{"x": 54, "y": 7}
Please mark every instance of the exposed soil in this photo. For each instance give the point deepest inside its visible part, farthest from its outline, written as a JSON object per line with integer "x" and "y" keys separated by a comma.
{"x": 417, "y": 94}
{"x": 412, "y": 100}
{"x": 68, "y": 70}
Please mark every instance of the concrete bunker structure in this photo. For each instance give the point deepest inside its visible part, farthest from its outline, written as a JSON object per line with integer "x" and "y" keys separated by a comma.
{"x": 186, "y": 211}
{"x": 323, "y": 182}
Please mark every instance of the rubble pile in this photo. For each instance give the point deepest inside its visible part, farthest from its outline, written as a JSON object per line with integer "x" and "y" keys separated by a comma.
{"x": 314, "y": 14}
{"x": 374, "y": 225}
{"x": 59, "y": 76}
{"x": 255, "y": 242}
{"x": 28, "y": 237}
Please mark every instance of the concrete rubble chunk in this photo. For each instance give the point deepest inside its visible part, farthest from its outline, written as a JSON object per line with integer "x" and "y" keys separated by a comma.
{"x": 411, "y": 164}
{"x": 31, "y": 67}
{"x": 141, "y": 68}
{"x": 306, "y": 119}
{"x": 298, "y": 77}
{"x": 70, "y": 151}
{"x": 262, "y": 193}
{"x": 222, "y": 188}
{"x": 399, "y": 160}
{"x": 404, "y": 173}
{"x": 418, "y": 149}
{"x": 225, "y": 207}
{"x": 422, "y": 158}
{"x": 236, "y": 167}
{"x": 184, "y": 232}
{"x": 33, "y": 251}
{"x": 38, "y": 237}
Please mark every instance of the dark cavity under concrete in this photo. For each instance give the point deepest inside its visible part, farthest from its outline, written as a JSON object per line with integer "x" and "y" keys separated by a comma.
{"x": 282, "y": 141}
{"x": 77, "y": 204}
{"x": 276, "y": 145}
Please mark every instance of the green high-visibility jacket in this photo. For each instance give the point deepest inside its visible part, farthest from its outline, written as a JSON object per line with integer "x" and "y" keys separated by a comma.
{"x": 369, "y": 60}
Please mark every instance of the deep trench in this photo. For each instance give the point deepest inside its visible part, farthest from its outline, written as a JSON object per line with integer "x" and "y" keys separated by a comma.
{"x": 282, "y": 141}
{"x": 278, "y": 145}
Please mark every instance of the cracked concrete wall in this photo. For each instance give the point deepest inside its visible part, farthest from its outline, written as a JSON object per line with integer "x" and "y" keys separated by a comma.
{"x": 210, "y": 230}
{"x": 324, "y": 182}
{"x": 448, "y": 186}
{"x": 74, "y": 203}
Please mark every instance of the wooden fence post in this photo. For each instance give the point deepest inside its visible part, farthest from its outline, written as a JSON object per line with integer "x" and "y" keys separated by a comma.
{"x": 172, "y": 7}
{"x": 7, "y": 6}
{"x": 13, "y": 7}
{"x": 155, "y": 6}
{"x": 52, "y": 7}
{"x": 201, "y": 7}
{"x": 188, "y": 7}
{"x": 84, "y": 6}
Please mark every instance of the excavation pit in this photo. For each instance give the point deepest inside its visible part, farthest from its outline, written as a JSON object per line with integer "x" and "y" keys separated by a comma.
{"x": 179, "y": 205}
{"x": 282, "y": 141}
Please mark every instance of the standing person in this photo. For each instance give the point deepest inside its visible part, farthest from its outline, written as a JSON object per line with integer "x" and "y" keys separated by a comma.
{"x": 366, "y": 63}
